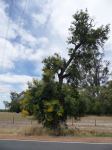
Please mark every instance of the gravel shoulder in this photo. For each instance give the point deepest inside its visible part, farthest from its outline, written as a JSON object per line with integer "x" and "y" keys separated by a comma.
{"x": 59, "y": 139}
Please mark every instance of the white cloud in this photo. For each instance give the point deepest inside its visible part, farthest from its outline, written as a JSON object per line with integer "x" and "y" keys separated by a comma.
{"x": 61, "y": 16}
{"x": 5, "y": 88}
{"x": 10, "y": 30}
{"x": 39, "y": 19}
{"x": 15, "y": 79}
{"x": 6, "y": 24}
{"x": 8, "y": 82}
{"x": 9, "y": 52}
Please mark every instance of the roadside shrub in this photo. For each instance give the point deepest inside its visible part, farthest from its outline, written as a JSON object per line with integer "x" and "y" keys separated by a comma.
{"x": 25, "y": 113}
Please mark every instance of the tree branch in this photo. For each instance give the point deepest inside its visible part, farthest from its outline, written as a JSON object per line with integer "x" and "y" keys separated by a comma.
{"x": 70, "y": 60}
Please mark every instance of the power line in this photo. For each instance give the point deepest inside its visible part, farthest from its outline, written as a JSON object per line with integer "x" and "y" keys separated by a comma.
{"x": 22, "y": 14}
{"x": 24, "y": 9}
{"x": 6, "y": 35}
{"x": 19, "y": 27}
{"x": 20, "y": 22}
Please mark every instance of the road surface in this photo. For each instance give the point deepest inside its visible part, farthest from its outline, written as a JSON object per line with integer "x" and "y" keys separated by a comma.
{"x": 38, "y": 145}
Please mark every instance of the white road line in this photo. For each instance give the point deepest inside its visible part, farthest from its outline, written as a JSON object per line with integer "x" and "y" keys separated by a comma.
{"x": 63, "y": 142}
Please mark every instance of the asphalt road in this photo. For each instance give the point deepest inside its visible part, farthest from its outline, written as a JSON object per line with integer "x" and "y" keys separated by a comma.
{"x": 34, "y": 145}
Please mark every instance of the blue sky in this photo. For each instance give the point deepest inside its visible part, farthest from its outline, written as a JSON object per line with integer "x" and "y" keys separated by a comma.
{"x": 30, "y": 30}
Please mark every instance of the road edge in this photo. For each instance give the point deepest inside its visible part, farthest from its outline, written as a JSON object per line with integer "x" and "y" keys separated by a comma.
{"x": 58, "y": 139}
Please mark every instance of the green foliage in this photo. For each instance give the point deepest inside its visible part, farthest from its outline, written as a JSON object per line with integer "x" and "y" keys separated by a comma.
{"x": 24, "y": 113}
{"x": 75, "y": 106}
{"x": 31, "y": 96}
{"x": 53, "y": 64}
{"x": 101, "y": 104}
{"x": 106, "y": 98}
{"x": 83, "y": 31}
{"x": 50, "y": 113}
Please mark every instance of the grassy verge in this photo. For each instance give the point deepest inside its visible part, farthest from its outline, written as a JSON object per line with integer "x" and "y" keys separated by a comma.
{"x": 39, "y": 131}
{"x": 25, "y": 126}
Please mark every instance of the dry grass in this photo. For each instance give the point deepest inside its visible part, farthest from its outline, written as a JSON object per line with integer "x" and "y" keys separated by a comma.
{"x": 14, "y": 123}
{"x": 33, "y": 130}
{"x": 6, "y": 116}
{"x": 87, "y": 126}
{"x": 92, "y": 125}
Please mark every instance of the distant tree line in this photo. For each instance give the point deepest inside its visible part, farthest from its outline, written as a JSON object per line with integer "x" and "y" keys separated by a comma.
{"x": 71, "y": 87}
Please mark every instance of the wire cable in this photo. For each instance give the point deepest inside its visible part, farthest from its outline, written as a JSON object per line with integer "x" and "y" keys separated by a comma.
{"x": 20, "y": 22}
{"x": 6, "y": 37}
{"x": 8, "y": 27}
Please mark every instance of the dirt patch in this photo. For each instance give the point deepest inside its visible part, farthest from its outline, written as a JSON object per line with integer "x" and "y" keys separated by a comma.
{"x": 59, "y": 139}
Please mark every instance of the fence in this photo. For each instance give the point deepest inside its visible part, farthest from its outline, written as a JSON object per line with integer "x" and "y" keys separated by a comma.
{"x": 15, "y": 119}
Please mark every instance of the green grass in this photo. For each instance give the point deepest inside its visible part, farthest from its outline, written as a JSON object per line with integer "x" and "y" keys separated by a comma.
{"x": 103, "y": 135}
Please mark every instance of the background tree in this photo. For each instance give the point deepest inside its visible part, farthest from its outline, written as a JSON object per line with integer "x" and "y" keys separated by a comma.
{"x": 14, "y": 105}
{"x": 6, "y": 104}
{"x": 106, "y": 99}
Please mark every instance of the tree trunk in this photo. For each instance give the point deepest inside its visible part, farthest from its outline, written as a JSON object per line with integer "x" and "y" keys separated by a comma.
{"x": 60, "y": 89}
